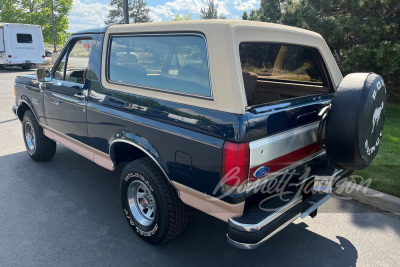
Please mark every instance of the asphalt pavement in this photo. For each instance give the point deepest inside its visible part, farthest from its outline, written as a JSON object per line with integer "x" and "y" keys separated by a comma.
{"x": 67, "y": 212}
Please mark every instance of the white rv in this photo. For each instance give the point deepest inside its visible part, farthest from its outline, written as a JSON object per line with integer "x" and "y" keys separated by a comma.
{"x": 21, "y": 45}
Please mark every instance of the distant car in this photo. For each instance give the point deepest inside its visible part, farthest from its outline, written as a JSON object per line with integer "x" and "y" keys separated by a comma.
{"x": 47, "y": 53}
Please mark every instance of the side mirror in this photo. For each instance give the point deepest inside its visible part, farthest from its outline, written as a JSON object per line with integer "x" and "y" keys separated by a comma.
{"x": 43, "y": 75}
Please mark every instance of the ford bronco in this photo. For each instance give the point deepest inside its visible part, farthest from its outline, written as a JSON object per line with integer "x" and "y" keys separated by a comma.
{"x": 249, "y": 122}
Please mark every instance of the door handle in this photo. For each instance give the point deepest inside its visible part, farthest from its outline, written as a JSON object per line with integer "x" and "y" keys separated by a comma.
{"x": 80, "y": 96}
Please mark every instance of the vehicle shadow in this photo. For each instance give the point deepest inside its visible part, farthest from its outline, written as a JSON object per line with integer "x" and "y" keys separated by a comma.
{"x": 67, "y": 211}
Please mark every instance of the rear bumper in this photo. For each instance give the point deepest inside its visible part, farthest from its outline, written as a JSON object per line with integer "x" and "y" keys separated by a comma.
{"x": 22, "y": 61}
{"x": 264, "y": 219}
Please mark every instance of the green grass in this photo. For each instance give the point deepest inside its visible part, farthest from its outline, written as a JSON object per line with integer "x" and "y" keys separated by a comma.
{"x": 385, "y": 168}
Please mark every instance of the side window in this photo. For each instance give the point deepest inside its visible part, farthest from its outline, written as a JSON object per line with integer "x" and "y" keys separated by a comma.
{"x": 73, "y": 66}
{"x": 176, "y": 63}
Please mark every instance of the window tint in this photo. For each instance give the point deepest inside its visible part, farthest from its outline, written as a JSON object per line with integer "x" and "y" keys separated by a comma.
{"x": 77, "y": 63}
{"x": 280, "y": 62}
{"x": 23, "y": 38}
{"x": 174, "y": 63}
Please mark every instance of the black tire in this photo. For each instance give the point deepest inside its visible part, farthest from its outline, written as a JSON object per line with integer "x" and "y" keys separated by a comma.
{"x": 355, "y": 121}
{"x": 26, "y": 66}
{"x": 1, "y": 67}
{"x": 170, "y": 213}
{"x": 43, "y": 148}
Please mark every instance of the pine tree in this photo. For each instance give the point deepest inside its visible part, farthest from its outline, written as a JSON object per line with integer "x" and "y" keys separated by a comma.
{"x": 364, "y": 35}
{"x": 138, "y": 12}
{"x": 211, "y": 11}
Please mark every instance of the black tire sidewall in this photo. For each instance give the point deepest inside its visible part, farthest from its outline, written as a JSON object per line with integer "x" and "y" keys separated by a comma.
{"x": 158, "y": 229}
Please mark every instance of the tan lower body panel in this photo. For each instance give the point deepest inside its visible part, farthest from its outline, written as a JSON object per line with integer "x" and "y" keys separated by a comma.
{"x": 88, "y": 152}
{"x": 208, "y": 204}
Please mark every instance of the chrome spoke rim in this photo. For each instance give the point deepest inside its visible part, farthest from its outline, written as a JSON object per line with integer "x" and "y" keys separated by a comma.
{"x": 141, "y": 203}
{"x": 29, "y": 136}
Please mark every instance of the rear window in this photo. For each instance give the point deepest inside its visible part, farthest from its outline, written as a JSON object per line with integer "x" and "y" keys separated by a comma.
{"x": 273, "y": 72}
{"x": 280, "y": 62}
{"x": 173, "y": 63}
{"x": 24, "y": 38}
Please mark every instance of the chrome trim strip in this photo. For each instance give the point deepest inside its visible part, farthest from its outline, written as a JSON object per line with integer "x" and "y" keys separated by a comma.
{"x": 149, "y": 155}
{"x": 258, "y": 226}
{"x": 209, "y": 204}
{"x": 266, "y": 179}
{"x": 256, "y": 245}
{"x": 278, "y": 145}
{"x": 315, "y": 206}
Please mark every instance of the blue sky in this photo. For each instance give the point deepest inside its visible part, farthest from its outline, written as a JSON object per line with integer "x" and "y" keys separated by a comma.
{"x": 87, "y": 14}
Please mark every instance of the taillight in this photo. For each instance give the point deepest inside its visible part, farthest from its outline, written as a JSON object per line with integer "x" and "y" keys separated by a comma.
{"x": 235, "y": 163}
{"x": 43, "y": 56}
{"x": 10, "y": 56}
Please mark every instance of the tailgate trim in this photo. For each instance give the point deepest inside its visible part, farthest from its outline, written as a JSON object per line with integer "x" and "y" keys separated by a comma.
{"x": 278, "y": 145}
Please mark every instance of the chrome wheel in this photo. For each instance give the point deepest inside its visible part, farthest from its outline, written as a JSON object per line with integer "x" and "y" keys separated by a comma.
{"x": 29, "y": 136}
{"x": 141, "y": 203}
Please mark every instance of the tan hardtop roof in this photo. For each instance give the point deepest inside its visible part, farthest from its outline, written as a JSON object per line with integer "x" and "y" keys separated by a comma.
{"x": 201, "y": 24}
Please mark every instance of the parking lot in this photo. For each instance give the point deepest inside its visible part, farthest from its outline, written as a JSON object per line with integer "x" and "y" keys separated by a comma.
{"x": 67, "y": 212}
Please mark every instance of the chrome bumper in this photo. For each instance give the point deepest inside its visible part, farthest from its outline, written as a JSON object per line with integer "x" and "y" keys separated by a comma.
{"x": 15, "y": 110}
{"x": 255, "y": 227}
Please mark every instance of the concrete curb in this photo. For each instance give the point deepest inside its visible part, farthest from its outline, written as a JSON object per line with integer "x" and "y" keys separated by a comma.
{"x": 369, "y": 196}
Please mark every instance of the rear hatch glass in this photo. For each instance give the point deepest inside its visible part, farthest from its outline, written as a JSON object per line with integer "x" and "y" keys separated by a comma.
{"x": 274, "y": 72}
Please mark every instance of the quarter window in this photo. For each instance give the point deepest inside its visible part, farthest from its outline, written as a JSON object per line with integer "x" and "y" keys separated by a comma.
{"x": 176, "y": 63}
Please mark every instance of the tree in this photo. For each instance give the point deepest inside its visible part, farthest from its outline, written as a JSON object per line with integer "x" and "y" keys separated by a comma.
{"x": 138, "y": 12}
{"x": 364, "y": 35}
{"x": 181, "y": 17}
{"x": 211, "y": 11}
{"x": 39, "y": 12}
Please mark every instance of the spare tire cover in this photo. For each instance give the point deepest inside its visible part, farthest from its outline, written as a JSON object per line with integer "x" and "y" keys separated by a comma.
{"x": 355, "y": 121}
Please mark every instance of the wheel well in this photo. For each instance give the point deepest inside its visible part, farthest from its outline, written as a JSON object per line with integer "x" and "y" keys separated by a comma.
{"x": 124, "y": 152}
{"x": 21, "y": 110}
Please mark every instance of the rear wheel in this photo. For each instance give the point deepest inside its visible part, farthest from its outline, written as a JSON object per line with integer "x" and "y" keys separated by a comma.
{"x": 38, "y": 146}
{"x": 150, "y": 203}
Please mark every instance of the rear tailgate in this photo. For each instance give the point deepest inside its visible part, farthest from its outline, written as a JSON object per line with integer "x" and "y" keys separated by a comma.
{"x": 286, "y": 87}
{"x": 283, "y": 136}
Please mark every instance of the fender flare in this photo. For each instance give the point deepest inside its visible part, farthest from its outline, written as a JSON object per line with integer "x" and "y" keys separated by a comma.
{"x": 25, "y": 100}
{"x": 142, "y": 144}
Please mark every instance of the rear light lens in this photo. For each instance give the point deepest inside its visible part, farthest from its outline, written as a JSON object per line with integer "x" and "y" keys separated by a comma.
{"x": 43, "y": 56}
{"x": 235, "y": 164}
{"x": 10, "y": 56}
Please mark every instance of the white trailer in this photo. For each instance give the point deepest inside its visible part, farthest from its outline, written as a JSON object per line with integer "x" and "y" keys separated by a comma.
{"x": 21, "y": 45}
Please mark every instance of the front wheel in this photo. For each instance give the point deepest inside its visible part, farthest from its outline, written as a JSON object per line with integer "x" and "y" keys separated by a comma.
{"x": 38, "y": 146}
{"x": 150, "y": 203}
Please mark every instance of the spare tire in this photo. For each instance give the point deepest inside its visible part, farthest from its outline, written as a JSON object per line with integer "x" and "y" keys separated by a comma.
{"x": 355, "y": 121}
